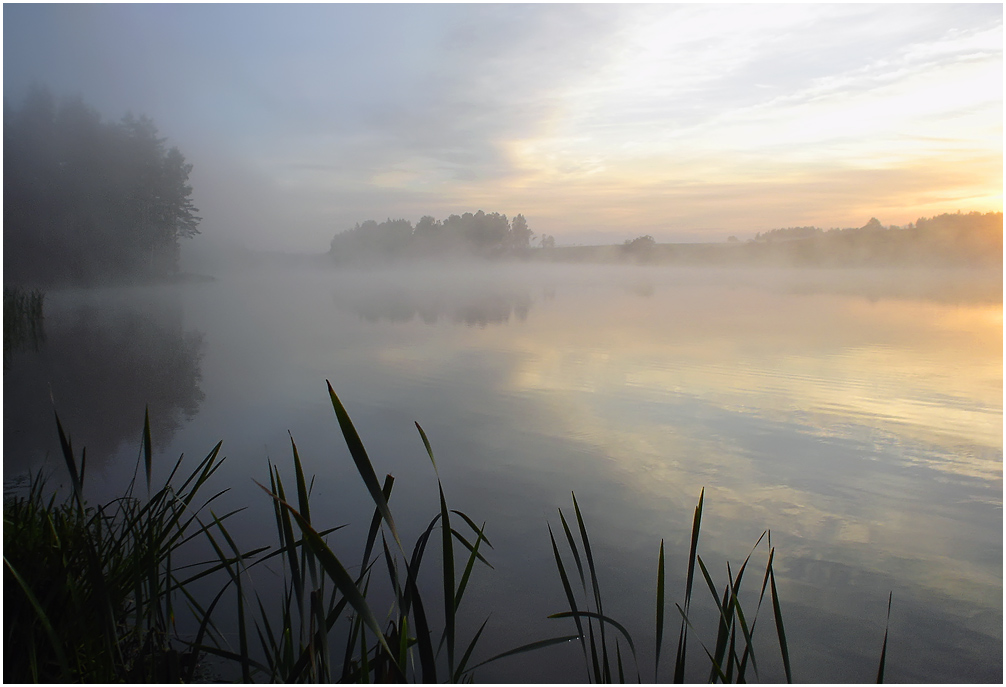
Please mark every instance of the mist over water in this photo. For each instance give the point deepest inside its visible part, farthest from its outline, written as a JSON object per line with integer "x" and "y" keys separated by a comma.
{"x": 856, "y": 413}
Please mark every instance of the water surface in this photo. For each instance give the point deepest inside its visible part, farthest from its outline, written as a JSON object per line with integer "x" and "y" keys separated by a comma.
{"x": 856, "y": 414}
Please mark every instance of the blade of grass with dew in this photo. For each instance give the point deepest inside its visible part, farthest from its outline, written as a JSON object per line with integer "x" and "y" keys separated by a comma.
{"x": 593, "y": 663}
{"x": 603, "y": 619}
{"x": 524, "y": 648}
{"x": 570, "y": 598}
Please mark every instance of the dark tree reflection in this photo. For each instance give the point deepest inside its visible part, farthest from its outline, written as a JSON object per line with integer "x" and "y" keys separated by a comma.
{"x": 473, "y": 309}
{"x": 100, "y": 369}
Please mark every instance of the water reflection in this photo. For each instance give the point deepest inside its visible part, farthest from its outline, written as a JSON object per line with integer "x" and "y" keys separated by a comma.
{"x": 857, "y": 415}
{"x": 397, "y": 303}
{"x": 100, "y": 366}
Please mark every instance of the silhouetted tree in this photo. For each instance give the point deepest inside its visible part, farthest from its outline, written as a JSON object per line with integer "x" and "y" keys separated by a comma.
{"x": 86, "y": 199}
{"x": 476, "y": 233}
{"x": 520, "y": 235}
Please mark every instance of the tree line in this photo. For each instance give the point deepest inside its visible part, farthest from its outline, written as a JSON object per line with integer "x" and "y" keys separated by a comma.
{"x": 479, "y": 233}
{"x": 949, "y": 238}
{"x": 87, "y": 199}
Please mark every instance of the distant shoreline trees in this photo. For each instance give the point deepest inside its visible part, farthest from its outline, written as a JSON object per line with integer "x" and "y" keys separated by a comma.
{"x": 958, "y": 238}
{"x": 478, "y": 234}
{"x": 87, "y": 200}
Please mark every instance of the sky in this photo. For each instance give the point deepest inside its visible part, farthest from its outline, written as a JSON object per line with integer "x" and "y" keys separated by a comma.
{"x": 599, "y": 123}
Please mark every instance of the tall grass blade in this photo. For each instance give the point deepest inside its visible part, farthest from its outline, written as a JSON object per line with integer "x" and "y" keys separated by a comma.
{"x": 449, "y": 592}
{"x": 660, "y": 612}
{"x": 603, "y": 620}
{"x": 572, "y": 546}
{"x": 883, "y": 650}
{"x": 57, "y": 644}
{"x": 570, "y": 598}
{"x": 468, "y": 652}
{"x": 429, "y": 449}
{"x": 468, "y": 568}
{"x": 597, "y": 591}
{"x": 618, "y": 657}
{"x": 363, "y": 464}
{"x": 679, "y": 661}
{"x": 147, "y": 452}
{"x": 337, "y": 573}
{"x": 524, "y": 648}
{"x": 375, "y": 522}
{"x": 783, "y": 646}
{"x": 71, "y": 464}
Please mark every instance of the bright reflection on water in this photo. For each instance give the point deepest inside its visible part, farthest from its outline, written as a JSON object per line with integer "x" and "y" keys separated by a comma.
{"x": 856, "y": 414}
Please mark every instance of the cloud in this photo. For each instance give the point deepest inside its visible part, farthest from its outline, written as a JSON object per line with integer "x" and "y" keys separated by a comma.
{"x": 347, "y": 112}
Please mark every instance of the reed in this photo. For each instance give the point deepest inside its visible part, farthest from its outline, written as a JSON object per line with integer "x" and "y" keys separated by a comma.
{"x": 92, "y": 591}
{"x": 96, "y": 590}
{"x": 22, "y": 320}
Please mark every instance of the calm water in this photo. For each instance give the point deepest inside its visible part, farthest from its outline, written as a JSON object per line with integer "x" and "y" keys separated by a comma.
{"x": 856, "y": 414}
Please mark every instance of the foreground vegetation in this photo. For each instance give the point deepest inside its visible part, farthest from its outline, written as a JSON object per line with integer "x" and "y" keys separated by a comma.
{"x": 94, "y": 593}
{"x": 23, "y": 315}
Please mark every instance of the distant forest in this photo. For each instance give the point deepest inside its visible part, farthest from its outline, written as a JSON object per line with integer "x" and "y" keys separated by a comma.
{"x": 479, "y": 234}
{"x": 87, "y": 200}
{"x": 948, "y": 239}
{"x": 971, "y": 238}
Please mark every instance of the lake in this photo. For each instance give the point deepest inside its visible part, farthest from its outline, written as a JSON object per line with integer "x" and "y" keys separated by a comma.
{"x": 857, "y": 414}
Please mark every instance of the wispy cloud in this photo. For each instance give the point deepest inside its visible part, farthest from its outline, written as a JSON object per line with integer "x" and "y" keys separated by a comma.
{"x": 651, "y": 118}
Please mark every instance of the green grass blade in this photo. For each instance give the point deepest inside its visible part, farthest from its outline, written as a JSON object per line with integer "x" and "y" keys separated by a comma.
{"x": 71, "y": 464}
{"x": 783, "y": 647}
{"x": 524, "y": 648}
{"x": 448, "y": 575}
{"x": 883, "y": 650}
{"x": 572, "y": 546}
{"x": 427, "y": 661}
{"x": 570, "y": 597}
{"x": 57, "y": 645}
{"x": 429, "y": 449}
{"x": 375, "y": 522}
{"x": 618, "y": 657}
{"x": 679, "y": 660}
{"x": 606, "y": 667}
{"x": 475, "y": 528}
{"x": 660, "y": 612}
{"x": 363, "y": 464}
{"x": 468, "y": 569}
{"x": 148, "y": 464}
{"x": 468, "y": 652}
{"x": 468, "y": 545}
{"x": 603, "y": 620}
{"x": 337, "y": 573}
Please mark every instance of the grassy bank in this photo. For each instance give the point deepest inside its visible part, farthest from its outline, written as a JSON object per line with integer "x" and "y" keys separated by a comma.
{"x": 94, "y": 592}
